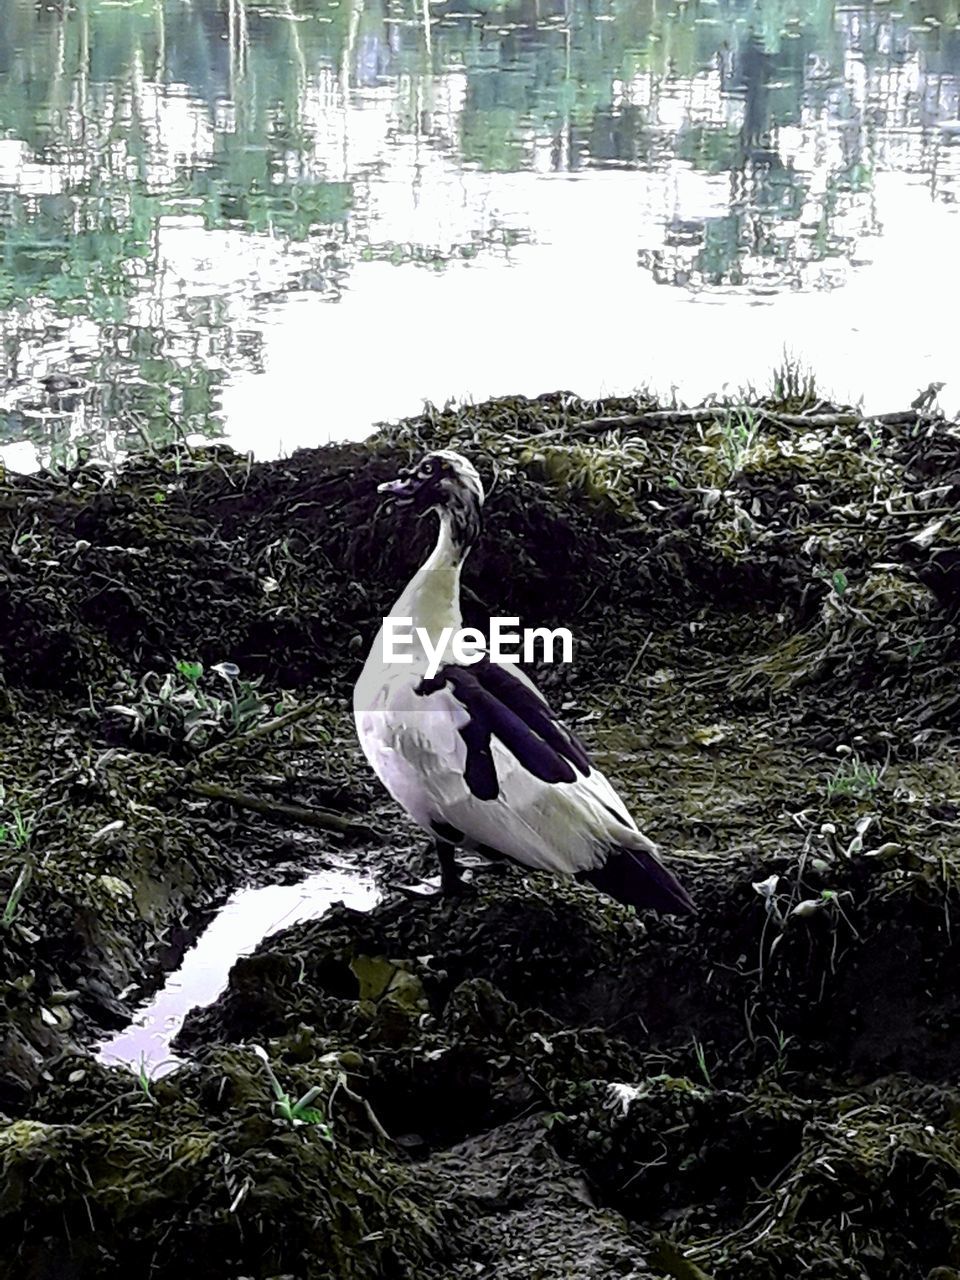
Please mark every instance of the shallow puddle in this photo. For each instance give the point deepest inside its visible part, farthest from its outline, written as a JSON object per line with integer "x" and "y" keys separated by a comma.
{"x": 242, "y": 923}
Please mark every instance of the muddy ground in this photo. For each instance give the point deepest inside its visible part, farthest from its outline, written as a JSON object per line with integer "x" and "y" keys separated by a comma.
{"x": 533, "y": 1082}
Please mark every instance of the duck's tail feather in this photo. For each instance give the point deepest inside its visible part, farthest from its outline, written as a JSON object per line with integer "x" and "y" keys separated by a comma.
{"x": 637, "y": 878}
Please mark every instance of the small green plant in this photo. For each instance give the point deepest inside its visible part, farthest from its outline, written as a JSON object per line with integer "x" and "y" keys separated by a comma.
{"x": 143, "y": 1079}
{"x": 779, "y": 1043}
{"x": 192, "y": 672}
{"x": 836, "y": 580}
{"x": 793, "y": 385}
{"x": 300, "y": 1111}
{"x": 701, "y": 1057}
{"x": 854, "y": 776}
{"x": 16, "y": 835}
{"x": 189, "y": 709}
{"x": 17, "y": 832}
{"x": 739, "y": 428}
{"x": 16, "y": 893}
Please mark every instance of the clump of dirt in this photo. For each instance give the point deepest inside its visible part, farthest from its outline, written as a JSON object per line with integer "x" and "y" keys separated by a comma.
{"x": 202, "y": 1168}
{"x": 743, "y": 1108}
{"x": 533, "y": 1081}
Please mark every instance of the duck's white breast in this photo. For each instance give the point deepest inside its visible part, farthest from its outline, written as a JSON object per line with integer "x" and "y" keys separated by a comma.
{"x": 413, "y": 743}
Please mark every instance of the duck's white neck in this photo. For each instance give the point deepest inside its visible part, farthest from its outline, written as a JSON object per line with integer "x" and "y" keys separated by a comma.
{"x": 432, "y": 596}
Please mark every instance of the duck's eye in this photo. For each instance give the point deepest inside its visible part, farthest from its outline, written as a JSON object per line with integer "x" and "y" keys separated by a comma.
{"x": 429, "y": 467}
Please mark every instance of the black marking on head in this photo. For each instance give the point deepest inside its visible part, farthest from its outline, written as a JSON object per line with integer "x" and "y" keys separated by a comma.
{"x": 446, "y": 832}
{"x": 466, "y": 522}
{"x": 444, "y": 481}
{"x": 499, "y": 705}
{"x": 421, "y": 484}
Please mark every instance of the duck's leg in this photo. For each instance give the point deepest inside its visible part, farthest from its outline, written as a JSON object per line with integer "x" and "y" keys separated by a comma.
{"x": 451, "y": 876}
{"x": 451, "y": 883}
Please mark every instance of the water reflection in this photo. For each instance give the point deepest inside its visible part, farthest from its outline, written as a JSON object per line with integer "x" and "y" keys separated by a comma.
{"x": 286, "y": 219}
{"x": 243, "y": 922}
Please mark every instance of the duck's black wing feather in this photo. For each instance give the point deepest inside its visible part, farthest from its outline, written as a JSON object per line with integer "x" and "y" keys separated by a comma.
{"x": 501, "y": 704}
{"x": 640, "y": 879}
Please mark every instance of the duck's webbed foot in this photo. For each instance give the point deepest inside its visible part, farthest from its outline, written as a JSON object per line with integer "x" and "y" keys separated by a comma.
{"x": 450, "y": 884}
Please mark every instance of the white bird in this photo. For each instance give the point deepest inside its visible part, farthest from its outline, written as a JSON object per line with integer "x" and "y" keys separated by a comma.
{"x": 474, "y": 754}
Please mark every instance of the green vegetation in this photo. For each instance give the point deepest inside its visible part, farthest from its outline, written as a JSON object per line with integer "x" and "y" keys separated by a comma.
{"x": 300, "y": 1111}
{"x": 144, "y": 1081}
{"x": 793, "y": 385}
{"x": 191, "y": 671}
{"x": 701, "y": 1056}
{"x": 738, "y": 429}
{"x": 17, "y": 831}
{"x": 20, "y": 885}
{"x": 189, "y": 709}
{"x": 16, "y": 835}
{"x": 854, "y": 776}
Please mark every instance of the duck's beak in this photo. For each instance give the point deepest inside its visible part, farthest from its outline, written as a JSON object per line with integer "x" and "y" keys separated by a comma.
{"x": 403, "y": 488}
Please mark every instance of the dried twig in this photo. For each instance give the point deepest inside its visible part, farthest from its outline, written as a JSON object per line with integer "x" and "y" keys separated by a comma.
{"x": 666, "y": 1256}
{"x": 342, "y": 1086}
{"x": 283, "y": 811}
{"x": 267, "y": 727}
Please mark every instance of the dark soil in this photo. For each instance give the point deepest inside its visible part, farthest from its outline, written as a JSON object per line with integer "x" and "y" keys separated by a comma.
{"x": 533, "y": 1082}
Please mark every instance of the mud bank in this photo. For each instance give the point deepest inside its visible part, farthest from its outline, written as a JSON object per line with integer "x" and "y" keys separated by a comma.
{"x": 532, "y": 1082}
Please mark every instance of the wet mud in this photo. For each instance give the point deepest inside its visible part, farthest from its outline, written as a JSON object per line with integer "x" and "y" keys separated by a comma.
{"x": 531, "y": 1081}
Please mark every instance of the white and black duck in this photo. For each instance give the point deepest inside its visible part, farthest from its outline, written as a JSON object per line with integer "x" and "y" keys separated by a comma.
{"x": 475, "y": 755}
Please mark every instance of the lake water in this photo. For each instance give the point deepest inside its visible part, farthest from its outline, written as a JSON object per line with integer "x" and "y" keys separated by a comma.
{"x": 284, "y": 221}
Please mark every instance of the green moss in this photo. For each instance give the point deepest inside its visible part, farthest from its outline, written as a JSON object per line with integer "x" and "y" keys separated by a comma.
{"x": 219, "y": 1171}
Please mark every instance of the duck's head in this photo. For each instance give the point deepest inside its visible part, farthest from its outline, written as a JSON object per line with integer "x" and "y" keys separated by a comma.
{"x": 441, "y": 481}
